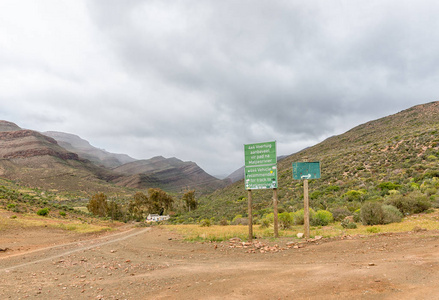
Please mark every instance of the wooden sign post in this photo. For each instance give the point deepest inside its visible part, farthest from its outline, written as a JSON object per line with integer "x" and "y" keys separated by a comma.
{"x": 306, "y": 208}
{"x": 275, "y": 221}
{"x": 306, "y": 170}
{"x": 250, "y": 216}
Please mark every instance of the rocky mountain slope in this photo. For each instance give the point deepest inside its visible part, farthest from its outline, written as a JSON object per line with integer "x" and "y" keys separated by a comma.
{"x": 8, "y": 126}
{"x": 73, "y": 165}
{"x": 36, "y": 160}
{"x": 237, "y": 175}
{"x": 170, "y": 174}
{"x": 402, "y": 149}
{"x": 85, "y": 150}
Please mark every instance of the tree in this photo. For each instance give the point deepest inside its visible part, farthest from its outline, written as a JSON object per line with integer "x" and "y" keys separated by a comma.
{"x": 190, "y": 203}
{"x": 159, "y": 201}
{"x": 138, "y": 205}
{"x": 98, "y": 205}
{"x": 114, "y": 211}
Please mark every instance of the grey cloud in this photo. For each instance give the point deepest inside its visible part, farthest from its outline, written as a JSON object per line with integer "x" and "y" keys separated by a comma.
{"x": 198, "y": 79}
{"x": 279, "y": 65}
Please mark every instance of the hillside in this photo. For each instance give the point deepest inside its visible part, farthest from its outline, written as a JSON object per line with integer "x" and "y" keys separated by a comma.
{"x": 402, "y": 149}
{"x": 35, "y": 160}
{"x": 85, "y": 150}
{"x": 170, "y": 174}
{"x": 8, "y": 126}
{"x": 237, "y": 175}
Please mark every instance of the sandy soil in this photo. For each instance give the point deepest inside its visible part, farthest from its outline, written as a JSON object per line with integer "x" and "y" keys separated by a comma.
{"x": 153, "y": 263}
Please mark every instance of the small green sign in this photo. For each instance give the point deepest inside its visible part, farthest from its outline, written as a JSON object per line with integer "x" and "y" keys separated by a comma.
{"x": 261, "y": 177}
{"x": 306, "y": 170}
{"x": 260, "y": 154}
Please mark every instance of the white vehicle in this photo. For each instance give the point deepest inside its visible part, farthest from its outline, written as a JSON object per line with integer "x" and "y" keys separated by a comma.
{"x": 156, "y": 218}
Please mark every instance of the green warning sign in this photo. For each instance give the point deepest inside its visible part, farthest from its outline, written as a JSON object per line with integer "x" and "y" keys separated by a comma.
{"x": 260, "y": 154}
{"x": 260, "y": 166}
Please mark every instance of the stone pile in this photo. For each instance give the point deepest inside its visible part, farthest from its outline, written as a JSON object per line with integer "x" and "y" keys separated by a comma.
{"x": 257, "y": 246}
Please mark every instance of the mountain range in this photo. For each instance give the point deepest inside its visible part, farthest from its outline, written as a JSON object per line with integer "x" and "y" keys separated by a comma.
{"x": 170, "y": 174}
{"x": 402, "y": 148}
{"x": 65, "y": 162}
{"x": 83, "y": 148}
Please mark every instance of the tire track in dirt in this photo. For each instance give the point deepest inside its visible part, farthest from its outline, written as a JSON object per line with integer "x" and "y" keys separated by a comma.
{"x": 68, "y": 252}
{"x": 64, "y": 245}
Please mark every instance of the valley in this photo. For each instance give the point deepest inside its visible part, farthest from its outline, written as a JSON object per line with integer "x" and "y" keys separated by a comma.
{"x": 54, "y": 245}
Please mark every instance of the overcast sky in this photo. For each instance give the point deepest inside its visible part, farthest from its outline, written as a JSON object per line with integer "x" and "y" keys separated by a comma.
{"x": 197, "y": 79}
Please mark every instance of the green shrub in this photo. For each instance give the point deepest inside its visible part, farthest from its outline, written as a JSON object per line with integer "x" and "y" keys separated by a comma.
{"x": 332, "y": 188}
{"x": 62, "y": 213}
{"x": 353, "y": 206}
{"x": 394, "y": 192}
{"x": 431, "y": 158}
{"x": 373, "y": 230}
{"x": 234, "y": 221}
{"x": 351, "y": 225}
{"x": 414, "y": 186}
{"x": 430, "y": 174}
{"x": 322, "y": 218}
{"x": 403, "y": 204}
{"x": 354, "y": 195}
{"x": 11, "y": 206}
{"x": 285, "y": 220}
{"x": 265, "y": 223}
{"x": 298, "y": 216}
{"x": 340, "y": 213}
{"x": 43, "y": 212}
{"x": 346, "y": 223}
{"x": 224, "y": 222}
{"x": 269, "y": 217}
{"x": 412, "y": 203}
{"x": 388, "y": 186}
{"x": 391, "y": 214}
{"x": 240, "y": 221}
{"x": 422, "y": 203}
{"x": 315, "y": 195}
{"x": 372, "y": 213}
{"x": 430, "y": 191}
{"x": 205, "y": 223}
{"x": 357, "y": 215}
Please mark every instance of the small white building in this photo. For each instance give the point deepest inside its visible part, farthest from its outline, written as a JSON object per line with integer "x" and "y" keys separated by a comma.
{"x": 156, "y": 218}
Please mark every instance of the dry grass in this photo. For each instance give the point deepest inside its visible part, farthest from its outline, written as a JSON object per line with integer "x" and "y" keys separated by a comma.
{"x": 84, "y": 227}
{"x": 81, "y": 208}
{"x": 194, "y": 232}
{"x": 3, "y": 223}
{"x": 8, "y": 221}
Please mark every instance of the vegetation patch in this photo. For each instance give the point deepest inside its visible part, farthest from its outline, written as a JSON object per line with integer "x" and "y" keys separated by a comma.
{"x": 193, "y": 232}
{"x": 30, "y": 221}
{"x": 43, "y": 212}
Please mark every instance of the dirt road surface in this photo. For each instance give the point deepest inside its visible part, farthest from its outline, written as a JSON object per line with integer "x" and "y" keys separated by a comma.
{"x": 154, "y": 263}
